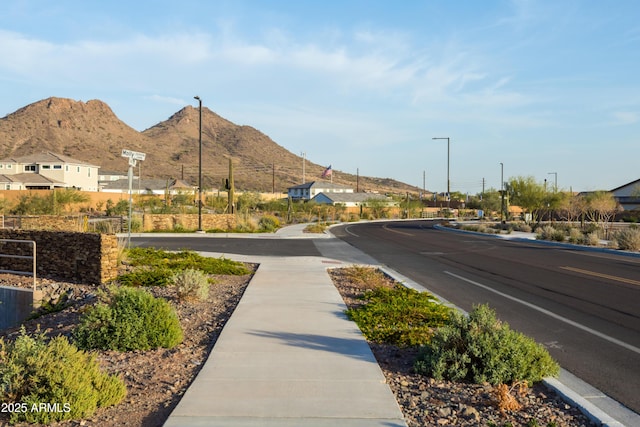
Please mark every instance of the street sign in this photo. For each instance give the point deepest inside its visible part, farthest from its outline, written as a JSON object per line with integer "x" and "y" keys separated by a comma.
{"x": 134, "y": 155}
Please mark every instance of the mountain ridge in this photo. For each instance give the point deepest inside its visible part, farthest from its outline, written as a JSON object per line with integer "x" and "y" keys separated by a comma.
{"x": 90, "y": 131}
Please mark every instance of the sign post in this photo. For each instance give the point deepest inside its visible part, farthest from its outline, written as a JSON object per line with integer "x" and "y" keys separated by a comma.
{"x": 133, "y": 157}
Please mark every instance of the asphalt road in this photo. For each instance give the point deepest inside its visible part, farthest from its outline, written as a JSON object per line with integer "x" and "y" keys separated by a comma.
{"x": 230, "y": 245}
{"x": 583, "y": 306}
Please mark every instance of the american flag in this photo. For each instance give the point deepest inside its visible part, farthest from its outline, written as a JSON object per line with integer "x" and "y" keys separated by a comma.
{"x": 327, "y": 172}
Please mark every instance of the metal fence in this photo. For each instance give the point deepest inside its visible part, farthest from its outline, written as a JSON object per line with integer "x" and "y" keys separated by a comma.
{"x": 4, "y": 254}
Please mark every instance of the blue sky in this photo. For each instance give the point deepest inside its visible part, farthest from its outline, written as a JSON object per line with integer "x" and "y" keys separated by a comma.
{"x": 545, "y": 87}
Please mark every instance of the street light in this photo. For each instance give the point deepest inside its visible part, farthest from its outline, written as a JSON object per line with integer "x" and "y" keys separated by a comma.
{"x": 448, "y": 181}
{"x": 555, "y": 185}
{"x": 502, "y": 213}
{"x": 199, "y": 165}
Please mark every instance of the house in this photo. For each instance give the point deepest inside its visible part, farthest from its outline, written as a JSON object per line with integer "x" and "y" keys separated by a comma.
{"x": 148, "y": 186}
{"x": 112, "y": 176}
{"x": 628, "y": 195}
{"x": 47, "y": 170}
{"x": 311, "y": 189}
{"x": 349, "y": 199}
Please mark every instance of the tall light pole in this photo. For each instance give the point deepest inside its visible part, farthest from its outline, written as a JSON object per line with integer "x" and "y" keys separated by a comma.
{"x": 448, "y": 180}
{"x": 555, "y": 184}
{"x": 502, "y": 213}
{"x": 199, "y": 165}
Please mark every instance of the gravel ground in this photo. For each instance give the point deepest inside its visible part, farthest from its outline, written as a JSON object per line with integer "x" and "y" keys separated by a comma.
{"x": 428, "y": 402}
{"x": 157, "y": 379}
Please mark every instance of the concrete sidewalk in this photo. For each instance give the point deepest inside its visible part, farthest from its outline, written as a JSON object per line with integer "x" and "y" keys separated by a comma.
{"x": 288, "y": 356}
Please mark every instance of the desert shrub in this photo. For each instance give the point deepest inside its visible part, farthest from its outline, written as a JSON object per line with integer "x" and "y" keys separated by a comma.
{"x": 365, "y": 277}
{"x": 153, "y": 277}
{"x": 550, "y": 233}
{"x": 129, "y": 319}
{"x": 245, "y": 224}
{"x": 268, "y": 223}
{"x": 34, "y": 372}
{"x": 477, "y": 228}
{"x": 191, "y": 285}
{"x": 576, "y": 236}
{"x": 628, "y": 239}
{"x": 480, "y": 348}
{"x": 521, "y": 226}
{"x": 399, "y": 315}
{"x": 591, "y": 239}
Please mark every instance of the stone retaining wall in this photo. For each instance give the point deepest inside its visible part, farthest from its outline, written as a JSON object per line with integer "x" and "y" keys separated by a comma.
{"x": 89, "y": 258}
{"x": 170, "y": 222}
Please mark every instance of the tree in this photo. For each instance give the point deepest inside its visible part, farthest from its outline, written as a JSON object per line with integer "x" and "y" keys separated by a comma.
{"x": 528, "y": 194}
{"x": 30, "y": 204}
{"x": 572, "y": 207}
{"x": 377, "y": 207}
{"x": 490, "y": 202}
{"x": 62, "y": 199}
{"x": 248, "y": 201}
{"x": 601, "y": 207}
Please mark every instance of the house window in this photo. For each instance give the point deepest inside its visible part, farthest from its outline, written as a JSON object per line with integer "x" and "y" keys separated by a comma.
{"x": 57, "y": 166}
{"x": 78, "y": 169}
{"x": 45, "y": 166}
{"x": 29, "y": 168}
{"x": 7, "y": 186}
{"x": 89, "y": 172}
{"x": 1, "y": 166}
{"x": 66, "y": 168}
{"x": 9, "y": 166}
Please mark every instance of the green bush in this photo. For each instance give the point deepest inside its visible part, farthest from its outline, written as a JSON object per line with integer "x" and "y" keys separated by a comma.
{"x": 34, "y": 372}
{"x": 154, "y": 277}
{"x": 269, "y": 223}
{"x": 628, "y": 239}
{"x": 191, "y": 285}
{"x": 129, "y": 319}
{"x": 480, "y": 348}
{"x": 151, "y": 257}
{"x": 399, "y": 315}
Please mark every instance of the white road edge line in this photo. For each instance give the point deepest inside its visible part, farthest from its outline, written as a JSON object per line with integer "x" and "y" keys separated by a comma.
{"x": 350, "y": 232}
{"x": 550, "y": 313}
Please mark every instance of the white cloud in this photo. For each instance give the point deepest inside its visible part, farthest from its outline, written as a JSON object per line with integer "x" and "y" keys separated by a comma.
{"x": 168, "y": 100}
{"x": 625, "y": 117}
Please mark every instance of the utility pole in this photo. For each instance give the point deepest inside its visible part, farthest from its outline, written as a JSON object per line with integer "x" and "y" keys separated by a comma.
{"x": 424, "y": 182}
{"x": 199, "y": 164}
{"x": 303, "y": 154}
{"x": 273, "y": 177}
{"x": 231, "y": 189}
{"x": 357, "y": 180}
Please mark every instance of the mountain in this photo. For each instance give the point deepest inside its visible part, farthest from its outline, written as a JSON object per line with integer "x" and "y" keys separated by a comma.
{"x": 91, "y": 132}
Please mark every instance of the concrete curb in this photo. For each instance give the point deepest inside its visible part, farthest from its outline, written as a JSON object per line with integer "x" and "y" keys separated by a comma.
{"x": 542, "y": 242}
{"x": 573, "y": 398}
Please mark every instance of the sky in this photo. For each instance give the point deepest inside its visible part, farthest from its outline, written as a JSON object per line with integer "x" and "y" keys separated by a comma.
{"x": 547, "y": 88}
